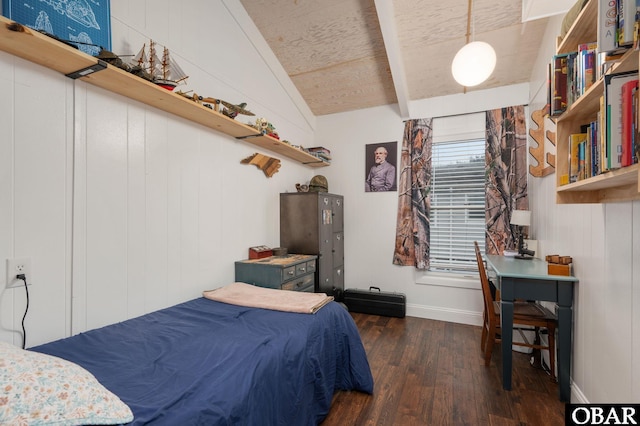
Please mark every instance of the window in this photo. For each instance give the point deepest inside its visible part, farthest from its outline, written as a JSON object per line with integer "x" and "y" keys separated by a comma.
{"x": 457, "y": 204}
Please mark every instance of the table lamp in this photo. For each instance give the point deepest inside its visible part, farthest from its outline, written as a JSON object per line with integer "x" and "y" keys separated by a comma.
{"x": 522, "y": 218}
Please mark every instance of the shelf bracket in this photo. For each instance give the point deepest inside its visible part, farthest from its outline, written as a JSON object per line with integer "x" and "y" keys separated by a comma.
{"x": 99, "y": 66}
{"x": 249, "y": 136}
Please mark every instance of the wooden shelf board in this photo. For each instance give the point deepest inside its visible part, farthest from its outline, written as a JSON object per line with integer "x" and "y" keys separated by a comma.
{"x": 272, "y": 144}
{"x": 586, "y": 106}
{"x": 46, "y": 51}
{"x": 580, "y": 33}
{"x": 609, "y": 195}
{"x": 41, "y": 49}
{"x": 616, "y": 185}
{"x": 628, "y": 62}
{"x": 119, "y": 81}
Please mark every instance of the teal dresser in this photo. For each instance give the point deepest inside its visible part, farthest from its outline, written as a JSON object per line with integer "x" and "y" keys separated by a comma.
{"x": 291, "y": 272}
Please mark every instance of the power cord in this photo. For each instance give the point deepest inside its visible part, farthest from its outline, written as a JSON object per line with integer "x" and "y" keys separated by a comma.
{"x": 26, "y": 309}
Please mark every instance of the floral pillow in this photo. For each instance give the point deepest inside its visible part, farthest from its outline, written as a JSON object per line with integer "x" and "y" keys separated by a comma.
{"x": 39, "y": 389}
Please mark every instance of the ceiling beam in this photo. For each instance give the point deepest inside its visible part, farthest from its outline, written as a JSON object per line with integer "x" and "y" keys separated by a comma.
{"x": 386, "y": 18}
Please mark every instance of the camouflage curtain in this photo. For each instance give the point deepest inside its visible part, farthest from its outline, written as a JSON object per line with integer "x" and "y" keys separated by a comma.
{"x": 412, "y": 226}
{"x": 506, "y": 172}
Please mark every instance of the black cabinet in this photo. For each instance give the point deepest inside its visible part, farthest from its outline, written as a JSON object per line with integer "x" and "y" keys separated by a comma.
{"x": 312, "y": 223}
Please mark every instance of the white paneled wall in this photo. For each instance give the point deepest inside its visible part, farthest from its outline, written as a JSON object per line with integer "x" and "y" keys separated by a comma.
{"x": 35, "y": 194}
{"x": 123, "y": 208}
{"x": 603, "y": 241}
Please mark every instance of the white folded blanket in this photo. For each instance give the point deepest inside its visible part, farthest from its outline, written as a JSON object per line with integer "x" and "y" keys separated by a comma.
{"x": 269, "y": 298}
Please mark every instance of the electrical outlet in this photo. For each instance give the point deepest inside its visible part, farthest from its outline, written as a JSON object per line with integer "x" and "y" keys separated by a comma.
{"x": 18, "y": 266}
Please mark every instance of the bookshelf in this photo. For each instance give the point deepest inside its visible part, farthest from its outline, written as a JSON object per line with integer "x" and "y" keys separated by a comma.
{"x": 613, "y": 186}
{"x": 48, "y": 52}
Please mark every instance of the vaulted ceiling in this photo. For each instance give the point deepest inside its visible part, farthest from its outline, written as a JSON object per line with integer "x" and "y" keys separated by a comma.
{"x": 344, "y": 55}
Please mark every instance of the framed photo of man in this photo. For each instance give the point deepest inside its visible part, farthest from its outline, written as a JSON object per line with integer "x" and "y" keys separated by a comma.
{"x": 380, "y": 167}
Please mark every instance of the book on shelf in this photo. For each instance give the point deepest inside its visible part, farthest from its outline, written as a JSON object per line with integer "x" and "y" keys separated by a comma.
{"x": 626, "y": 22}
{"x": 607, "y": 26}
{"x": 587, "y": 171}
{"x": 559, "y": 79}
{"x": 586, "y": 66}
{"x": 320, "y": 152}
{"x": 594, "y": 143}
{"x": 628, "y": 124}
{"x": 613, "y": 106}
{"x": 584, "y": 153}
{"x": 602, "y": 125}
{"x": 606, "y": 61}
{"x": 549, "y": 92}
{"x": 577, "y": 146}
{"x": 636, "y": 135}
{"x": 571, "y": 75}
{"x": 572, "y": 78}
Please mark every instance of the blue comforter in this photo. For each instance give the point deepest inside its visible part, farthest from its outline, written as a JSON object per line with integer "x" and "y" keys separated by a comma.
{"x": 209, "y": 363}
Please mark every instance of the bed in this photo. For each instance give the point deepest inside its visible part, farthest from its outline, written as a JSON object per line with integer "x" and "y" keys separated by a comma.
{"x": 205, "y": 362}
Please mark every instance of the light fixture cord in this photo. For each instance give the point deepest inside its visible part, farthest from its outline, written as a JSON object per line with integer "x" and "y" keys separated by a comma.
{"x": 469, "y": 8}
{"x": 469, "y": 20}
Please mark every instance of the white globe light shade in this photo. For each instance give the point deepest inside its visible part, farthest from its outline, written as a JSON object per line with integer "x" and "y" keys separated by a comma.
{"x": 474, "y": 63}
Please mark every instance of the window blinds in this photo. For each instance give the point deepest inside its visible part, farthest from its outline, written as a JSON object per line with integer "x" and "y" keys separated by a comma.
{"x": 457, "y": 204}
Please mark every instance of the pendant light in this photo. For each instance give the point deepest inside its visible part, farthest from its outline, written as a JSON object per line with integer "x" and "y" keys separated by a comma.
{"x": 475, "y": 62}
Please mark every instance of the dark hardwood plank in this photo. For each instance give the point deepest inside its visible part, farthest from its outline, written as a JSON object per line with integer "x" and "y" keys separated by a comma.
{"x": 432, "y": 372}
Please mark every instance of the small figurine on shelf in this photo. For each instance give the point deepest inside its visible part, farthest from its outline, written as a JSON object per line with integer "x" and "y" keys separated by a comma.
{"x": 165, "y": 71}
{"x": 211, "y": 103}
{"x": 271, "y": 131}
{"x": 232, "y": 111}
{"x": 113, "y": 59}
{"x": 266, "y": 128}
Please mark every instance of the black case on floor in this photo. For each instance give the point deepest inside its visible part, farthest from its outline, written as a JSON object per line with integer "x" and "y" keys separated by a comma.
{"x": 376, "y": 302}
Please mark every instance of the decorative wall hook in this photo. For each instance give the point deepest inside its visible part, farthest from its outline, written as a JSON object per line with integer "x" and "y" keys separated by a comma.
{"x": 537, "y": 152}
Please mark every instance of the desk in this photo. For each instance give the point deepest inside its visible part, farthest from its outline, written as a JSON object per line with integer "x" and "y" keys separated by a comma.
{"x": 528, "y": 279}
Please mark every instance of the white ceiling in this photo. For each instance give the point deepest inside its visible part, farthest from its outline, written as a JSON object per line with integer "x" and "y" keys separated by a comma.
{"x": 344, "y": 55}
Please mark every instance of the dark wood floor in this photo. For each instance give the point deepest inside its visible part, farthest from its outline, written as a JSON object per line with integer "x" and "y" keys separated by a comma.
{"x": 432, "y": 373}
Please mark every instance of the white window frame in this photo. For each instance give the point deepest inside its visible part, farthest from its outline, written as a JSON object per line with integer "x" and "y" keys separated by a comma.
{"x": 454, "y": 134}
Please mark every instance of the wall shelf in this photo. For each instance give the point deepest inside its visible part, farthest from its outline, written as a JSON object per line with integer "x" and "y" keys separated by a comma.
{"x": 616, "y": 185}
{"x": 38, "y": 48}
{"x": 612, "y": 186}
{"x": 583, "y": 30}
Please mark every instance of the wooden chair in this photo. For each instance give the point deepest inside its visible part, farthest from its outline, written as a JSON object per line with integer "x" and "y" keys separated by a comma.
{"x": 528, "y": 314}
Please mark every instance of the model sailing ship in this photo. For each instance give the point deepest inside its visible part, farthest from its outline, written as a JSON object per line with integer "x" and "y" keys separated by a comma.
{"x": 164, "y": 72}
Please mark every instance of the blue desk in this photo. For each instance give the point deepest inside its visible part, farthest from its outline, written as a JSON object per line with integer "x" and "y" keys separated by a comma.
{"x": 528, "y": 279}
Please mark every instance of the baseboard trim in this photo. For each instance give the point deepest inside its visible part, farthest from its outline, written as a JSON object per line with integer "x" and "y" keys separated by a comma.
{"x": 577, "y": 397}
{"x": 444, "y": 314}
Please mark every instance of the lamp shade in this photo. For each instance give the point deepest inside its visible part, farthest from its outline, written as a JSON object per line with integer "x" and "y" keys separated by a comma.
{"x": 521, "y": 217}
{"x": 474, "y": 63}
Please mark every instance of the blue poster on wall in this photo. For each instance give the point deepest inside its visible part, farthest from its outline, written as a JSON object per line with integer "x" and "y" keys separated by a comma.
{"x": 85, "y": 23}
